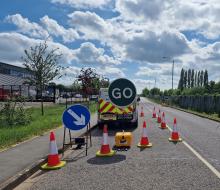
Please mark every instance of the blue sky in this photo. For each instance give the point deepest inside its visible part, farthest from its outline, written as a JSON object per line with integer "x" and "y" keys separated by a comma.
{"x": 120, "y": 38}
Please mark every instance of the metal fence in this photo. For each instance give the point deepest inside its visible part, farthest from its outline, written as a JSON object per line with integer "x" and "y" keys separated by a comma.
{"x": 205, "y": 103}
{"x": 26, "y": 91}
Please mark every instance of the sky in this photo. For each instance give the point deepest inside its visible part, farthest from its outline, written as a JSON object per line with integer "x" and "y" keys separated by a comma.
{"x": 134, "y": 39}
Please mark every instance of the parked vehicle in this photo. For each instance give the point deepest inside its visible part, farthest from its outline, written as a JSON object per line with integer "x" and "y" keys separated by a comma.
{"x": 109, "y": 113}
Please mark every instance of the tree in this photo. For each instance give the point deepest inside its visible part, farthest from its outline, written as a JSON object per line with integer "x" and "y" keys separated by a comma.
{"x": 104, "y": 82}
{"x": 192, "y": 78}
{"x": 43, "y": 65}
{"x": 145, "y": 92}
{"x": 88, "y": 78}
{"x": 206, "y": 79}
{"x": 181, "y": 85}
{"x": 198, "y": 79}
{"x": 189, "y": 78}
{"x": 195, "y": 80}
{"x": 185, "y": 79}
{"x": 155, "y": 91}
{"x": 211, "y": 86}
{"x": 201, "y": 78}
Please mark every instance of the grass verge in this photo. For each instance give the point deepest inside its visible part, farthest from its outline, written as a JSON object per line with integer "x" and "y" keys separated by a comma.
{"x": 38, "y": 126}
{"x": 204, "y": 115}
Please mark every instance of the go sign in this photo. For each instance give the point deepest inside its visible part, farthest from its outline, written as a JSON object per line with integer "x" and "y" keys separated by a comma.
{"x": 122, "y": 92}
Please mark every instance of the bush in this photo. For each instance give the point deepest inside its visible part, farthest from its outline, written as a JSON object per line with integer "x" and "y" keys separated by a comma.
{"x": 12, "y": 113}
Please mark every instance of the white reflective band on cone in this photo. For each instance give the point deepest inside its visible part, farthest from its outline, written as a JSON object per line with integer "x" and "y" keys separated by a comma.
{"x": 105, "y": 138}
{"x": 174, "y": 128}
{"x": 53, "y": 148}
{"x": 144, "y": 132}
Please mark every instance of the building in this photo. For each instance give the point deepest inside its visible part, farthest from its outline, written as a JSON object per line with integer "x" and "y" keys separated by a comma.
{"x": 13, "y": 71}
{"x": 11, "y": 81}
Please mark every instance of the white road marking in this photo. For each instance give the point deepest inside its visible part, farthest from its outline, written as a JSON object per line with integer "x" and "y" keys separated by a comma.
{"x": 215, "y": 171}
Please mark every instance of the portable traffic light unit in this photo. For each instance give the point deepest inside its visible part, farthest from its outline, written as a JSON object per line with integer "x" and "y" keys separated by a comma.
{"x": 123, "y": 139}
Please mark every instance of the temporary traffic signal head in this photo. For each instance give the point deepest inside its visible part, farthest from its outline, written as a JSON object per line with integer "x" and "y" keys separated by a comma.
{"x": 122, "y": 92}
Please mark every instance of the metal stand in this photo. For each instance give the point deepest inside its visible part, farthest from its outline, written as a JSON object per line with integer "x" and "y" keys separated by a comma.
{"x": 80, "y": 141}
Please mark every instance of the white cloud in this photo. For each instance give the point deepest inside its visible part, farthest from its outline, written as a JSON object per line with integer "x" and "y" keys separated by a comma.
{"x": 90, "y": 55}
{"x": 69, "y": 75}
{"x": 12, "y": 47}
{"x": 26, "y": 27}
{"x": 152, "y": 47}
{"x": 51, "y": 25}
{"x": 83, "y": 4}
{"x": 90, "y": 24}
{"x": 111, "y": 72}
{"x": 140, "y": 9}
{"x": 141, "y": 84}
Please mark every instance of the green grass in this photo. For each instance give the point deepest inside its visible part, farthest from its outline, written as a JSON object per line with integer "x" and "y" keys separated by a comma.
{"x": 38, "y": 125}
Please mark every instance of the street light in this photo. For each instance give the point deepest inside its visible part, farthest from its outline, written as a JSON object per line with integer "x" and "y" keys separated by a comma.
{"x": 172, "y": 69}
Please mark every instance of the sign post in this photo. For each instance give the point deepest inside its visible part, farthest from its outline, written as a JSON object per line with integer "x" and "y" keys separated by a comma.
{"x": 75, "y": 118}
{"x": 122, "y": 92}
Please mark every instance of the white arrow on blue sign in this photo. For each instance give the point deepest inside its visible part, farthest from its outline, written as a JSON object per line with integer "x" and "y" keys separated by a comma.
{"x": 76, "y": 117}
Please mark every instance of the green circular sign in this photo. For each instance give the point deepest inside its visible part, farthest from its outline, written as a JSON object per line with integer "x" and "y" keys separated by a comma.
{"x": 122, "y": 92}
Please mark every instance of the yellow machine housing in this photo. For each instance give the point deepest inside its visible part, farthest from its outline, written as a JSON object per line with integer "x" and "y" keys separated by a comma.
{"x": 123, "y": 139}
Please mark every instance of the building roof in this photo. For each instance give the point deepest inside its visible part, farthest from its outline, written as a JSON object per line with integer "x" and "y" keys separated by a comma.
{"x": 13, "y": 66}
{"x": 10, "y": 80}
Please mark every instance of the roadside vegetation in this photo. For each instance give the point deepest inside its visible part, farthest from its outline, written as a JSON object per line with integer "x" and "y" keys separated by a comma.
{"x": 195, "y": 94}
{"x": 43, "y": 65}
{"x": 35, "y": 126}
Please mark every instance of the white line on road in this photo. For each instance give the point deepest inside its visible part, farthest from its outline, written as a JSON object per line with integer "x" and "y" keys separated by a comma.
{"x": 215, "y": 171}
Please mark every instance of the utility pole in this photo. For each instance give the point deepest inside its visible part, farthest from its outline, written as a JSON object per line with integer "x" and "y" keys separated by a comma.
{"x": 172, "y": 73}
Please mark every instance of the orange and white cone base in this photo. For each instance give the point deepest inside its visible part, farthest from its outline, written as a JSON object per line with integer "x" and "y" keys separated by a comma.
{"x": 163, "y": 122}
{"x": 105, "y": 148}
{"x": 53, "y": 161}
{"x": 175, "y": 135}
{"x": 144, "y": 142}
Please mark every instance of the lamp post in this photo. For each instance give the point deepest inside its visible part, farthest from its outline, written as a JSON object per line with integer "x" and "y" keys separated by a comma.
{"x": 172, "y": 69}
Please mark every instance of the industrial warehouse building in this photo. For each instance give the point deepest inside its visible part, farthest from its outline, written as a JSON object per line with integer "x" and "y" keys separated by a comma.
{"x": 12, "y": 83}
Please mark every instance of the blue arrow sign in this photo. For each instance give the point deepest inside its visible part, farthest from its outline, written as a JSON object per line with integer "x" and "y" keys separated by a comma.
{"x": 76, "y": 117}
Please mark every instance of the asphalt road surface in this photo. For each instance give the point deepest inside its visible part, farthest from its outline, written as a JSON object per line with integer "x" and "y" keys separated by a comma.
{"x": 164, "y": 166}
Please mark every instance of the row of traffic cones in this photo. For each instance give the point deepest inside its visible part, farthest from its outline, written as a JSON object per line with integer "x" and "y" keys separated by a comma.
{"x": 174, "y": 135}
{"x": 54, "y": 162}
{"x": 105, "y": 149}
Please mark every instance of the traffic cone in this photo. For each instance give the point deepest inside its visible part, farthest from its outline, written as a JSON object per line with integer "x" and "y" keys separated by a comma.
{"x": 159, "y": 117}
{"x": 175, "y": 135}
{"x": 53, "y": 161}
{"x": 163, "y": 123}
{"x": 142, "y": 112}
{"x": 154, "y": 113}
{"x": 105, "y": 148}
{"x": 144, "y": 142}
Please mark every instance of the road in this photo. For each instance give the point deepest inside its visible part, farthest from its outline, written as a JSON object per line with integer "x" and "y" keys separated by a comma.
{"x": 164, "y": 166}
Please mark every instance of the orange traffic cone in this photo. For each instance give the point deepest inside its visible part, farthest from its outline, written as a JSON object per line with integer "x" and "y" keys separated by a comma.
{"x": 175, "y": 135}
{"x": 105, "y": 148}
{"x": 144, "y": 142}
{"x": 142, "y": 112}
{"x": 154, "y": 113}
{"x": 159, "y": 117}
{"x": 53, "y": 161}
{"x": 163, "y": 123}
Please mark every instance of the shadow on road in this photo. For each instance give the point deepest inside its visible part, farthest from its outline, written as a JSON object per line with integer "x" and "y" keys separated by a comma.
{"x": 107, "y": 160}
